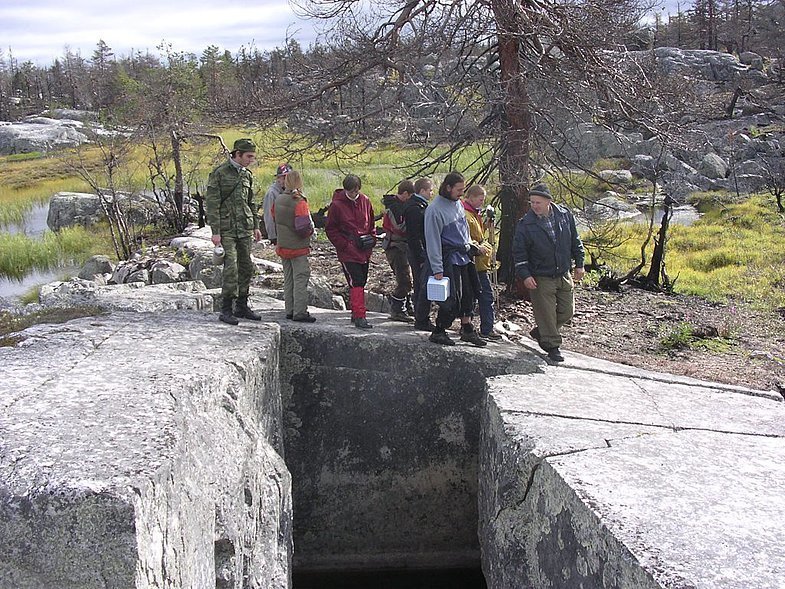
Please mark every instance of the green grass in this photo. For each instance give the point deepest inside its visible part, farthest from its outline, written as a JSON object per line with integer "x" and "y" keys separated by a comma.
{"x": 736, "y": 252}
{"x": 22, "y": 254}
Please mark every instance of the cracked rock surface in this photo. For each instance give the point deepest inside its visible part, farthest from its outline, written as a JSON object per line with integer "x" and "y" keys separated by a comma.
{"x": 599, "y": 475}
{"x": 141, "y": 450}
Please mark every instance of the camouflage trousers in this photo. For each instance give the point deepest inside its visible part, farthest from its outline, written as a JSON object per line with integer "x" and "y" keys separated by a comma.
{"x": 238, "y": 268}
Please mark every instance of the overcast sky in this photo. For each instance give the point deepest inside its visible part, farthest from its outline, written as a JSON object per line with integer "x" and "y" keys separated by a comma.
{"x": 39, "y": 30}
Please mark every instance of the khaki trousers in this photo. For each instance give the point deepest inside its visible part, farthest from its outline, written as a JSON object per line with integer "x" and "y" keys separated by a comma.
{"x": 553, "y": 302}
{"x": 296, "y": 272}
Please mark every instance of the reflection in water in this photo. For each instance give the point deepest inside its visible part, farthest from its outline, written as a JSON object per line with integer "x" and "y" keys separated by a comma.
{"x": 16, "y": 288}
{"x": 34, "y": 226}
{"x": 34, "y": 223}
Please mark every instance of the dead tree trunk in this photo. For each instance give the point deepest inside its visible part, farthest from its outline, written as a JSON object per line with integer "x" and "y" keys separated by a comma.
{"x": 657, "y": 278}
{"x": 514, "y": 161}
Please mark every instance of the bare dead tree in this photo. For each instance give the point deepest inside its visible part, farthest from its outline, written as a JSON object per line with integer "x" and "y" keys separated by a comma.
{"x": 508, "y": 79}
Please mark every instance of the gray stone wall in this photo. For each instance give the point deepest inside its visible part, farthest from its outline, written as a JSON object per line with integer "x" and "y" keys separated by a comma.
{"x": 139, "y": 450}
{"x": 382, "y": 433}
{"x": 611, "y": 477}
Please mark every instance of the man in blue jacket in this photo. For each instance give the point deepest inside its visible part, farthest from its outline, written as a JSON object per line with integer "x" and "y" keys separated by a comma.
{"x": 545, "y": 245}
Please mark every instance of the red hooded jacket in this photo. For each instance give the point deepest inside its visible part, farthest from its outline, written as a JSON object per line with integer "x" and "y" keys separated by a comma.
{"x": 346, "y": 220}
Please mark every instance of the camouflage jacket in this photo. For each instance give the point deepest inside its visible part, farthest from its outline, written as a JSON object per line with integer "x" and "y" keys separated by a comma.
{"x": 231, "y": 209}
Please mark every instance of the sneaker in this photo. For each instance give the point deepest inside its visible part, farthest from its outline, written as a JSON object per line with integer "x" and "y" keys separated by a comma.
{"x": 400, "y": 316}
{"x": 554, "y": 354}
{"x": 471, "y": 336}
{"x": 429, "y": 326}
{"x": 491, "y": 336}
{"x": 441, "y": 337}
{"x": 535, "y": 334}
{"x": 362, "y": 323}
{"x": 304, "y": 317}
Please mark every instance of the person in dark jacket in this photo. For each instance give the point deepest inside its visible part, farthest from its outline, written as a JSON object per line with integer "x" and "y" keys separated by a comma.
{"x": 232, "y": 216}
{"x": 414, "y": 216}
{"x": 396, "y": 248}
{"x": 545, "y": 245}
{"x": 351, "y": 230}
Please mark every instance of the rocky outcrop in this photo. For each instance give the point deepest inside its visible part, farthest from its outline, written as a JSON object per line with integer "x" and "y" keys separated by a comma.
{"x": 67, "y": 209}
{"x": 134, "y": 296}
{"x": 138, "y": 457}
{"x": 40, "y": 134}
{"x": 601, "y": 476}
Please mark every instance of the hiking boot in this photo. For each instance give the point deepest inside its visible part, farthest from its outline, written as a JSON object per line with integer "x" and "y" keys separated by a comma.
{"x": 468, "y": 334}
{"x": 304, "y": 317}
{"x": 554, "y": 355}
{"x": 491, "y": 336}
{"x": 243, "y": 311}
{"x": 226, "y": 312}
{"x": 429, "y": 326}
{"x": 400, "y": 316}
{"x": 441, "y": 337}
{"x": 362, "y": 323}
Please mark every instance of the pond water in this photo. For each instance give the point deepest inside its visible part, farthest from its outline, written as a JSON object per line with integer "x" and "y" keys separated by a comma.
{"x": 34, "y": 223}
{"x": 33, "y": 226}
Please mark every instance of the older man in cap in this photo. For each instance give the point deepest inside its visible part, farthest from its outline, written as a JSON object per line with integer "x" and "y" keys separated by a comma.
{"x": 275, "y": 189}
{"x": 545, "y": 245}
{"x": 232, "y": 215}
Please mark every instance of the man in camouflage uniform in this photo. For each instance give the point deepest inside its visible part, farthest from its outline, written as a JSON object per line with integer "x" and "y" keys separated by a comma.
{"x": 231, "y": 213}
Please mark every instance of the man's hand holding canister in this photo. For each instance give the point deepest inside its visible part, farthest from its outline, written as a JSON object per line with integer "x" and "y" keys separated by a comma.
{"x": 216, "y": 240}
{"x": 530, "y": 283}
{"x": 578, "y": 273}
{"x": 438, "y": 276}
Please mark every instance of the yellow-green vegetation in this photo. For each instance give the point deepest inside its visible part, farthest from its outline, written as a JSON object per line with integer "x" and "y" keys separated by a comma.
{"x": 736, "y": 251}
{"x": 22, "y": 254}
{"x": 10, "y": 324}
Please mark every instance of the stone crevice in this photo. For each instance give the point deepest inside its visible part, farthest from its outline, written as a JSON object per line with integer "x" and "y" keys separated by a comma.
{"x": 671, "y": 428}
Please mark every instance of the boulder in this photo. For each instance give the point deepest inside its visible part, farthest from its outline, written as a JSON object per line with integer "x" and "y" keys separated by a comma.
{"x": 613, "y": 207}
{"x": 713, "y": 166}
{"x": 134, "y": 296}
{"x": 67, "y": 209}
{"x": 142, "y": 275}
{"x": 201, "y": 268}
{"x": 96, "y": 265}
{"x": 751, "y": 59}
{"x": 165, "y": 272}
{"x": 616, "y": 176}
{"x": 39, "y": 134}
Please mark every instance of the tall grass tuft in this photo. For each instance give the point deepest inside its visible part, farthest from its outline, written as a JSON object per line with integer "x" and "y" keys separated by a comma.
{"x": 21, "y": 255}
{"x": 737, "y": 251}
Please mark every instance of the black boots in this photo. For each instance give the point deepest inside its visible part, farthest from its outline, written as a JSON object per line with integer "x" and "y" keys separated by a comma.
{"x": 243, "y": 311}
{"x": 469, "y": 334}
{"x": 226, "y": 312}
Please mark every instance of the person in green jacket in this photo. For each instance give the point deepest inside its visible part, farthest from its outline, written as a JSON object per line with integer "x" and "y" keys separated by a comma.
{"x": 232, "y": 215}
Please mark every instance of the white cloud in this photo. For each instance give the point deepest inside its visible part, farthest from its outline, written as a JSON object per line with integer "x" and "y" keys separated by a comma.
{"x": 40, "y": 32}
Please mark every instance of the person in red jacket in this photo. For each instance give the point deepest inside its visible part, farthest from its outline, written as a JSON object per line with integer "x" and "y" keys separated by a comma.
{"x": 351, "y": 230}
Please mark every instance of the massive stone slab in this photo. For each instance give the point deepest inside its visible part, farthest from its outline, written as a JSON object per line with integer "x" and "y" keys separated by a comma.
{"x": 382, "y": 431}
{"x": 606, "y": 476}
{"x": 142, "y": 450}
